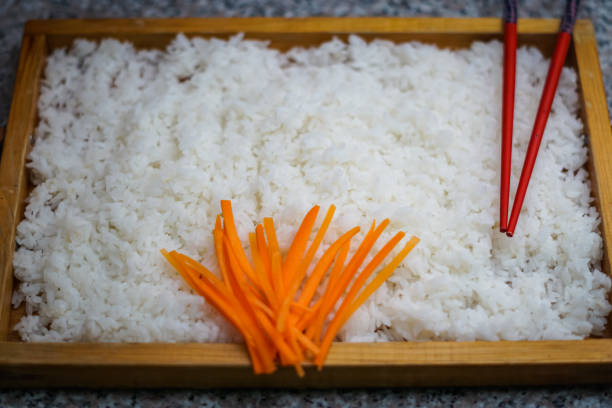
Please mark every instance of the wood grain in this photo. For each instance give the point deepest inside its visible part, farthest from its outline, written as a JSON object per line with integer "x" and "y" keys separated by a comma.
{"x": 597, "y": 123}
{"x": 376, "y": 25}
{"x": 341, "y": 354}
{"x": 348, "y": 365}
{"x": 284, "y": 33}
{"x": 13, "y": 178}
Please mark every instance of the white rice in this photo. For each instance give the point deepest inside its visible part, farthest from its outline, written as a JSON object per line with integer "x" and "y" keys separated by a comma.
{"x": 135, "y": 149}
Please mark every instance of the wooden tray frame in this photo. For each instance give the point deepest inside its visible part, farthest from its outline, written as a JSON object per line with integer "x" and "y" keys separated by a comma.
{"x": 348, "y": 365}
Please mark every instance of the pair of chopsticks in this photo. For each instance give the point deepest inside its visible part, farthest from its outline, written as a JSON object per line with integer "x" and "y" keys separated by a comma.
{"x": 548, "y": 94}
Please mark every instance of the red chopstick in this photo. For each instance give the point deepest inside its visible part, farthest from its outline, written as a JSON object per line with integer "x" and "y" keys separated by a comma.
{"x": 510, "y": 10}
{"x": 548, "y": 94}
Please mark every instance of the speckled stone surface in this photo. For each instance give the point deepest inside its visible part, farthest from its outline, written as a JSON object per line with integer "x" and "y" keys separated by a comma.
{"x": 13, "y": 13}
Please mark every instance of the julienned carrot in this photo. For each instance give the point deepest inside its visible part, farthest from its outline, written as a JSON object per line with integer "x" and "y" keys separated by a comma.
{"x": 279, "y": 342}
{"x": 248, "y": 285}
{"x": 367, "y": 271}
{"x": 307, "y": 318}
{"x": 371, "y": 288}
{"x": 338, "y": 321}
{"x": 316, "y": 242}
{"x": 263, "y": 307}
{"x": 335, "y": 273}
{"x": 264, "y": 253}
{"x": 258, "y": 298}
{"x": 230, "y": 230}
{"x": 277, "y": 275}
{"x": 218, "y": 239}
{"x": 317, "y": 274}
{"x": 313, "y": 280}
{"x": 345, "y": 278}
{"x": 293, "y": 342}
{"x": 297, "y": 348}
{"x": 262, "y": 274}
{"x": 309, "y": 345}
{"x": 299, "y": 276}
{"x": 271, "y": 235}
{"x": 217, "y": 283}
{"x": 228, "y": 310}
{"x": 293, "y": 270}
{"x": 176, "y": 265}
{"x": 383, "y": 275}
{"x": 301, "y": 308}
{"x": 242, "y": 295}
{"x": 298, "y": 246}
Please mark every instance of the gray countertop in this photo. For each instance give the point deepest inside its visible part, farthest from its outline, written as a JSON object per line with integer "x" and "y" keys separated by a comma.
{"x": 13, "y": 14}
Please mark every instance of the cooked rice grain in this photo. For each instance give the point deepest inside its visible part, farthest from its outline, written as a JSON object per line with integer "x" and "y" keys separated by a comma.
{"x": 135, "y": 149}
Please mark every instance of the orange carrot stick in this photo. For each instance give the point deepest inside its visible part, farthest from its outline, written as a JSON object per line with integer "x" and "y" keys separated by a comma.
{"x": 277, "y": 339}
{"x": 271, "y": 235}
{"x": 297, "y": 307}
{"x": 350, "y": 270}
{"x": 296, "y": 277}
{"x": 338, "y": 265}
{"x": 308, "y": 259}
{"x": 361, "y": 279}
{"x": 367, "y": 271}
{"x": 177, "y": 266}
{"x": 264, "y": 254}
{"x": 308, "y": 345}
{"x": 298, "y": 246}
{"x": 218, "y": 240}
{"x": 263, "y": 307}
{"x": 252, "y": 306}
{"x": 316, "y": 242}
{"x": 383, "y": 275}
{"x": 255, "y": 360}
{"x": 313, "y": 281}
{"x": 299, "y": 370}
{"x": 230, "y": 230}
{"x": 217, "y": 283}
{"x": 249, "y": 285}
{"x": 380, "y": 278}
{"x": 210, "y": 276}
{"x": 242, "y": 294}
{"x": 293, "y": 342}
{"x": 297, "y": 349}
{"x": 318, "y": 272}
{"x": 330, "y": 300}
{"x": 308, "y": 317}
{"x": 262, "y": 274}
{"x": 227, "y": 307}
{"x": 277, "y": 278}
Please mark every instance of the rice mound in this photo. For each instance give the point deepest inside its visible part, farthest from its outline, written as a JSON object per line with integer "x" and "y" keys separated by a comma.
{"x": 134, "y": 150}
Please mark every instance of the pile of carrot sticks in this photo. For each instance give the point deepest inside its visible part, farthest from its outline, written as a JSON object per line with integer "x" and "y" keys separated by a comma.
{"x": 286, "y": 309}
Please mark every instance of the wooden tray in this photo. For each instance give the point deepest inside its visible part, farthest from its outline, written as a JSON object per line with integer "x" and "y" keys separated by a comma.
{"x": 348, "y": 365}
